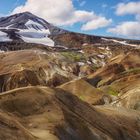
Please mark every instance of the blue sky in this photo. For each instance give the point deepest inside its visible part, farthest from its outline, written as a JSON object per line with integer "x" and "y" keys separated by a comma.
{"x": 98, "y": 17}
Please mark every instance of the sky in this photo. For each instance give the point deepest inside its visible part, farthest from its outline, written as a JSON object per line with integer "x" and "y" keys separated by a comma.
{"x": 118, "y": 18}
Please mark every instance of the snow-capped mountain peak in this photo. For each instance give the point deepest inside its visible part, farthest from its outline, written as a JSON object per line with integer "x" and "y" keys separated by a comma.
{"x": 20, "y": 21}
{"x": 29, "y": 28}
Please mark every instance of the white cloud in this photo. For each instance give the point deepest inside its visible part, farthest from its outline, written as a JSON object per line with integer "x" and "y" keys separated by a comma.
{"x": 128, "y": 8}
{"x": 52, "y": 10}
{"x": 96, "y": 23}
{"x": 128, "y": 29}
{"x": 58, "y": 12}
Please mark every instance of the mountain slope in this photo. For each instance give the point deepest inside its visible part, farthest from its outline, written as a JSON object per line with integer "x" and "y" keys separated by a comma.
{"x": 29, "y": 28}
{"x": 53, "y": 114}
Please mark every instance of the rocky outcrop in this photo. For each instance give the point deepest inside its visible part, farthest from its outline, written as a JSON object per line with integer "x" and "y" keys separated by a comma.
{"x": 120, "y": 78}
{"x": 32, "y": 68}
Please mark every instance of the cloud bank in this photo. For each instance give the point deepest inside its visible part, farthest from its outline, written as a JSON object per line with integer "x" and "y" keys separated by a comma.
{"x": 128, "y": 8}
{"x": 63, "y": 13}
{"x": 99, "y": 22}
{"x": 128, "y": 28}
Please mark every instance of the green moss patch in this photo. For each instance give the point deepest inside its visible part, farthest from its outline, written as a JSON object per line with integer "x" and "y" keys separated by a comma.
{"x": 134, "y": 70}
{"x": 74, "y": 56}
{"x": 112, "y": 91}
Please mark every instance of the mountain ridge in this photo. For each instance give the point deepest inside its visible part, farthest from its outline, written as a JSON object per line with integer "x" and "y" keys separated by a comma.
{"x": 27, "y": 27}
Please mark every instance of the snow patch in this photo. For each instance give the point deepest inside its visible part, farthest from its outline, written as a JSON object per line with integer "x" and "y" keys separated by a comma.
{"x": 45, "y": 41}
{"x": 89, "y": 62}
{"x": 1, "y": 51}
{"x": 4, "y": 37}
{"x": 105, "y": 39}
{"x": 124, "y": 43}
{"x": 81, "y": 51}
{"x": 108, "y": 49}
{"x": 81, "y": 63}
{"x": 120, "y": 42}
{"x": 32, "y": 33}
{"x": 101, "y": 48}
{"x": 31, "y": 24}
{"x": 101, "y": 56}
{"x": 85, "y": 44}
{"x": 36, "y": 36}
{"x": 41, "y": 21}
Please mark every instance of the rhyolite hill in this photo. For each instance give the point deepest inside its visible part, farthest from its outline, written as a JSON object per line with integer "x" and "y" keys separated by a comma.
{"x": 61, "y": 85}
